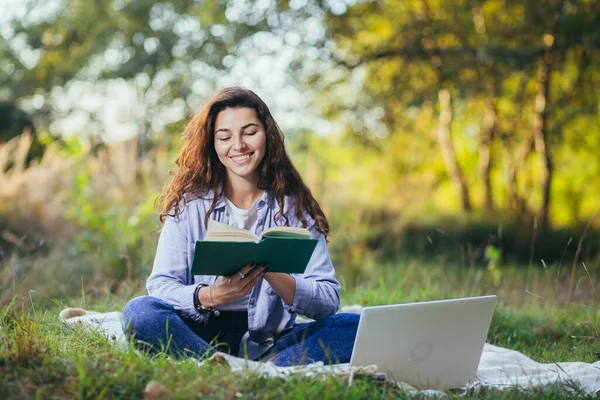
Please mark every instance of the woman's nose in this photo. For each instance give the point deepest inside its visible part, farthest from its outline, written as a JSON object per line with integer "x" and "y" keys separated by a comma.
{"x": 239, "y": 143}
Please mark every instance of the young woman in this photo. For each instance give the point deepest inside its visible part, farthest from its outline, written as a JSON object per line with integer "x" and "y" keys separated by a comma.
{"x": 234, "y": 168}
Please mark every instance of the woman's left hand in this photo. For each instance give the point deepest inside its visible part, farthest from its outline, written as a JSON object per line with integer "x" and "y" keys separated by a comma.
{"x": 227, "y": 289}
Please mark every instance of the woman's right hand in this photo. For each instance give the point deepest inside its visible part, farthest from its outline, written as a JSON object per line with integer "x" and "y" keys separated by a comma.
{"x": 227, "y": 289}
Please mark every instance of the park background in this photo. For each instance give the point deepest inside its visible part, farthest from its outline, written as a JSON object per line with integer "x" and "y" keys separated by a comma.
{"x": 453, "y": 146}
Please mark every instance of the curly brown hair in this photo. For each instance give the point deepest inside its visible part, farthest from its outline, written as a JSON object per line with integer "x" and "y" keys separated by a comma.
{"x": 199, "y": 169}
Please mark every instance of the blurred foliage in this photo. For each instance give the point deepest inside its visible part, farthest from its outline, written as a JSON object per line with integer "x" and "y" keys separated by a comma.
{"x": 12, "y": 121}
{"x": 519, "y": 86}
{"x": 469, "y": 128}
{"x": 115, "y": 230}
{"x": 87, "y": 213}
{"x": 92, "y": 205}
{"x": 172, "y": 52}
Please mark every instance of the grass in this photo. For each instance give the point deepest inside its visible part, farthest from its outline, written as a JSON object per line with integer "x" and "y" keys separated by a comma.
{"x": 42, "y": 358}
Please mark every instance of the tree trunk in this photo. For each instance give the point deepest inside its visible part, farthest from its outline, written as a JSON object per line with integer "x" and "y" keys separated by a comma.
{"x": 443, "y": 136}
{"x": 485, "y": 152}
{"x": 540, "y": 133}
{"x": 513, "y": 168}
{"x": 512, "y": 164}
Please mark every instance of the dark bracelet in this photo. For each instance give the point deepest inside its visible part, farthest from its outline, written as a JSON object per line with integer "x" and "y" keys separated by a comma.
{"x": 196, "y": 301}
{"x": 199, "y": 307}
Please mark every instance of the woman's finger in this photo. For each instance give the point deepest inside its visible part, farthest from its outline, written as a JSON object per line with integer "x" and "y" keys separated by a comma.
{"x": 241, "y": 274}
{"x": 244, "y": 271}
{"x": 252, "y": 278}
{"x": 247, "y": 268}
{"x": 248, "y": 288}
{"x": 258, "y": 269}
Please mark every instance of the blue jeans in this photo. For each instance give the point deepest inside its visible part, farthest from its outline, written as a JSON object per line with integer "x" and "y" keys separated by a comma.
{"x": 156, "y": 326}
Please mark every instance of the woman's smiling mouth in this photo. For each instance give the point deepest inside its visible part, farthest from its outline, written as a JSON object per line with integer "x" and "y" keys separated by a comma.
{"x": 241, "y": 159}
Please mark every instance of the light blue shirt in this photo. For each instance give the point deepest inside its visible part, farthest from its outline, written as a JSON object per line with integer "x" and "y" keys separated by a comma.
{"x": 317, "y": 290}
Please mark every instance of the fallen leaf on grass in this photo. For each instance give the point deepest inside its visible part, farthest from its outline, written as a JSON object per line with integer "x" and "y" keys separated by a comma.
{"x": 155, "y": 390}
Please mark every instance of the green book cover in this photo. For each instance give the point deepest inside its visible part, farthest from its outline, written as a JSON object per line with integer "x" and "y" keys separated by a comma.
{"x": 282, "y": 254}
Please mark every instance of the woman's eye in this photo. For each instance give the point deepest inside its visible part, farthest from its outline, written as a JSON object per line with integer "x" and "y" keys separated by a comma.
{"x": 250, "y": 133}
{"x": 224, "y": 139}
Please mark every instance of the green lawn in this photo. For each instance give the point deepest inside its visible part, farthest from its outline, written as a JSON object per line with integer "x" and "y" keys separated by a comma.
{"x": 42, "y": 358}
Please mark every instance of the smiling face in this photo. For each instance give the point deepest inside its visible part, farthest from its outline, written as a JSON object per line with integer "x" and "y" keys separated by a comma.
{"x": 240, "y": 143}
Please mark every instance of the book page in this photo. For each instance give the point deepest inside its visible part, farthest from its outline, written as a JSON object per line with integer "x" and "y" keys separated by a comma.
{"x": 286, "y": 231}
{"x": 219, "y": 232}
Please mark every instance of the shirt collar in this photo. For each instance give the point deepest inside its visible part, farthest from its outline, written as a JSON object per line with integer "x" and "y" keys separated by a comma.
{"x": 263, "y": 201}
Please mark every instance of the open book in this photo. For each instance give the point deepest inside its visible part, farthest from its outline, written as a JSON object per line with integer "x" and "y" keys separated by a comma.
{"x": 225, "y": 249}
{"x": 220, "y": 232}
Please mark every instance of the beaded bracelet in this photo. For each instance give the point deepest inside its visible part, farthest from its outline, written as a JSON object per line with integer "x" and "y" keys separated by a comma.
{"x": 203, "y": 308}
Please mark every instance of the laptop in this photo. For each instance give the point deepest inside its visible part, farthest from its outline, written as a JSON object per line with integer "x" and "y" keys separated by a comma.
{"x": 429, "y": 345}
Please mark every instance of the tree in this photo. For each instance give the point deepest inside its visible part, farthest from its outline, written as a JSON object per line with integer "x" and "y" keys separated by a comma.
{"x": 501, "y": 62}
{"x": 161, "y": 48}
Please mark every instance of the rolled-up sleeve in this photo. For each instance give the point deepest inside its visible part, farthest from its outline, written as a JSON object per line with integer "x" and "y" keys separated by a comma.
{"x": 317, "y": 290}
{"x": 170, "y": 279}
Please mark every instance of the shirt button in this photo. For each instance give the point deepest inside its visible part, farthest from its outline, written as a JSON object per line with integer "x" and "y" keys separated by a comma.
{"x": 260, "y": 221}
{"x": 261, "y": 203}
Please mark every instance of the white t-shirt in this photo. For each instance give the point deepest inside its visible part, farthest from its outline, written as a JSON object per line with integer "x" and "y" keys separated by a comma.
{"x": 241, "y": 218}
{"x": 248, "y": 220}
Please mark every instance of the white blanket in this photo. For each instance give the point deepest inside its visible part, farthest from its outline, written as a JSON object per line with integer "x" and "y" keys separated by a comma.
{"x": 499, "y": 368}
